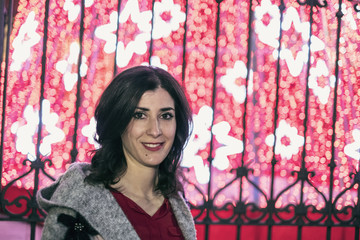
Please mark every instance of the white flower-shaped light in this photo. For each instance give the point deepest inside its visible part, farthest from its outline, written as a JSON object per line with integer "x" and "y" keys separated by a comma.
{"x": 353, "y": 149}
{"x": 164, "y": 27}
{"x": 268, "y": 34}
{"x": 156, "y": 62}
{"x": 322, "y": 93}
{"x": 229, "y": 81}
{"x": 74, "y": 9}
{"x": 284, "y": 130}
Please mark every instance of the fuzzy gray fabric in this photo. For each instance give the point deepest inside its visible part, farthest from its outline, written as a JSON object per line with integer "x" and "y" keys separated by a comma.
{"x": 70, "y": 194}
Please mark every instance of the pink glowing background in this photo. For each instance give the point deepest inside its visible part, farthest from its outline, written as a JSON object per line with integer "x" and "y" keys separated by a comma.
{"x": 98, "y": 61}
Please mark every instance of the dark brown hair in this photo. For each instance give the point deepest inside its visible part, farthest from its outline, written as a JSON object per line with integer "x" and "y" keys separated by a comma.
{"x": 115, "y": 110}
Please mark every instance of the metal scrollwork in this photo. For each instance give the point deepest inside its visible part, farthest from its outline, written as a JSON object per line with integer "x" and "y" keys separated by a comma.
{"x": 313, "y": 3}
{"x": 26, "y": 205}
{"x": 356, "y": 5}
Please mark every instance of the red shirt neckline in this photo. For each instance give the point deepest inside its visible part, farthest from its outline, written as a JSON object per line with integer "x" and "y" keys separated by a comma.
{"x": 161, "y": 226}
{"x": 134, "y": 206}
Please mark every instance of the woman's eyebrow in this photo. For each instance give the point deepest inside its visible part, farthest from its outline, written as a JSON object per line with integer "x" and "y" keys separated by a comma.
{"x": 161, "y": 109}
{"x": 167, "y": 109}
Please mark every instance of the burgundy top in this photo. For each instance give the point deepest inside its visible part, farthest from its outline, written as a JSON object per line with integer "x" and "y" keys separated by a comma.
{"x": 162, "y": 225}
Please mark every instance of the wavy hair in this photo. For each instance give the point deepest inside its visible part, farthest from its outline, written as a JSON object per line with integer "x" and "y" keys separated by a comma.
{"x": 114, "y": 112}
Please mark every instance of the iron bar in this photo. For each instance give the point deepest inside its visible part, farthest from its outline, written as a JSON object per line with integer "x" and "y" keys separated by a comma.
{"x": 209, "y": 202}
{"x": 6, "y": 72}
{"x": 184, "y": 46}
{"x": 332, "y": 164}
{"x": 117, "y": 36}
{"x": 248, "y": 67}
{"x": 38, "y": 160}
{"x": 152, "y": 30}
{"x": 74, "y": 151}
{"x": 271, "y": 202}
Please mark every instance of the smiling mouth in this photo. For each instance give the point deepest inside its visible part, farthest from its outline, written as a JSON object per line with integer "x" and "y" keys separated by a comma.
{"x": 153, "y": 146}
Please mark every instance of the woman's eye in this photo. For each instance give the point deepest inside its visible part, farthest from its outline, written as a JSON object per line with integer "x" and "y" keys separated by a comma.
{"x": 167, "y": 116}
{"x": 139, "y": 115}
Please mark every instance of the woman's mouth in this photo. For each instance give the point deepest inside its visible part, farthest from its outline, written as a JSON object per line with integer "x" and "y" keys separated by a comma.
{"x": 153, "y": 146}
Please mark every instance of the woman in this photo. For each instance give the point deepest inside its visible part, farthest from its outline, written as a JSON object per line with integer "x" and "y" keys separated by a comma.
{"x": 131, "y": 189}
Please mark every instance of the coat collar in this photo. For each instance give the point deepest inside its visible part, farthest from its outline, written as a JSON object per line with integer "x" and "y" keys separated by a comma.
{"x": 98, "y": 206}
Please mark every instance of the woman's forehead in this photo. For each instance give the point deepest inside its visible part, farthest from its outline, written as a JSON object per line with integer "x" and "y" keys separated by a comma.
{"x": 159, "y": 98}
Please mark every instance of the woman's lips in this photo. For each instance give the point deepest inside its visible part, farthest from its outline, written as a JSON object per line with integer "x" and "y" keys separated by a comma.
{"x": 153, "y": 146}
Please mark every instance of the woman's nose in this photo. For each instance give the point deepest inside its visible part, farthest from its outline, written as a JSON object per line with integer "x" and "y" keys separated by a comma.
{"x": 154, "y": 128}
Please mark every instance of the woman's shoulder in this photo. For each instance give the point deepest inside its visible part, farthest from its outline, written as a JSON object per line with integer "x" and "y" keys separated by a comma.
{"x": 78, "y": 168}
{"x": 178, "y": 200}
{"x": 67, "y": 187}
{"x": 183, "y": 215}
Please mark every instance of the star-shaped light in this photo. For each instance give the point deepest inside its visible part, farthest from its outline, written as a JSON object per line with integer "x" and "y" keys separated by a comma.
{"x": 24, "y": 41}
{"x": 353, "y": 149}
{"x": 167, "y": 18}
{"x": 229, "y": 81}
{"x": 138, "y": 45}
{"x": 200, "y": 138}
{"x": 25, "y": 133}
{"x": 296, "y": 64}
{"x": 288, "y": 141}
{"x": 230, "y": 145}
{"x": 65, "y": 67}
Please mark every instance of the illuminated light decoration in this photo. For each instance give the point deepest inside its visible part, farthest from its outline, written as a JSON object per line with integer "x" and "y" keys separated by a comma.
{"x": 295, "y": 65}
{"x": 25, "y": 134}
{"x": 24, "y": 88}
{"x": 65, "y": 67}
{"x": 89, "y": 131}
{"x": 156, "y": 62}
{"x": 229, "y": 81}
{"x": 353, "y": 149}
{"x": 106, "y": 32}
{"x": 321, "y": 92}
{"x": 24, "y": 41}
{"x": 167, "y": 18}
{"x": 269, "y": 33}
{"x": 348, "y": 16}
{"x": 230, "y": 145}
{"x": 200, "y": 138}
{"x": 288, "y": 142}
{"x": 138, "y": 45}
{"x": 74, "y": 9}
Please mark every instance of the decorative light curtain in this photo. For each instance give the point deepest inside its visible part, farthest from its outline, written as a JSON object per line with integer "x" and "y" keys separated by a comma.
{"x": 263, "y": 79}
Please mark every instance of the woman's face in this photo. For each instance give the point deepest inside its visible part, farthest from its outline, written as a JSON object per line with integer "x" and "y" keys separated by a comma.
{"x": 150, "y": 134}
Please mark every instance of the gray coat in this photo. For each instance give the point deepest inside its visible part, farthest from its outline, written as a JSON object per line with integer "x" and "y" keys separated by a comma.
{"x": 71, "y": 195}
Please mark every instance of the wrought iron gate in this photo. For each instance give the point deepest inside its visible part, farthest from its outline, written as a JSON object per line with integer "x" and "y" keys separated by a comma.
{"x": 329, "y": 178}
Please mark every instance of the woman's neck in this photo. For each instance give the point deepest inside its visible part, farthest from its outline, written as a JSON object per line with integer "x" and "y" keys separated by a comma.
{"x": 138, "y": 182}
